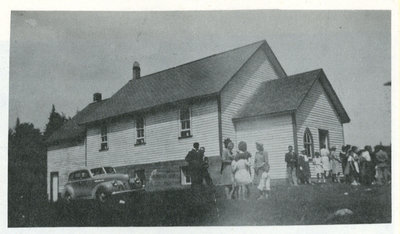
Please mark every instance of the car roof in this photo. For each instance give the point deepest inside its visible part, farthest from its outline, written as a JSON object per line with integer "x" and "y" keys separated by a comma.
{"x": 87, "y": 168}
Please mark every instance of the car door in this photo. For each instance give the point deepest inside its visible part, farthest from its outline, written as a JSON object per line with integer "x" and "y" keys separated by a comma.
{"x": 86, "y": 183}
{"x": 75, "y": 183}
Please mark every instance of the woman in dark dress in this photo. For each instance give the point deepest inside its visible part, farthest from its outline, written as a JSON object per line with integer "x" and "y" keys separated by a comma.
{"x": 304, "y": 168}
{"x": 226, "y": 168}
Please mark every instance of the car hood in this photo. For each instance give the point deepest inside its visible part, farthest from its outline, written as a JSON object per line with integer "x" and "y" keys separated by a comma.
{"x": 112, "y": 176}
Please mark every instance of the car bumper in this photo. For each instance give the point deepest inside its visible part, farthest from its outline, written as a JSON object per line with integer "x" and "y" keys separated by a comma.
{"x": 123, "y": 192}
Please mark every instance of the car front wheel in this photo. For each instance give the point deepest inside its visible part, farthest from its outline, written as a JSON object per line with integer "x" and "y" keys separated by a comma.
{"x": 102, "y": 196}
{"x": 67, "y": 198}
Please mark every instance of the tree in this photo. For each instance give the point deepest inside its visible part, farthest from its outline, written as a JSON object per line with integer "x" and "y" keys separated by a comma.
{"x": 26, "y": 170}
{"x": 56, "y": 120}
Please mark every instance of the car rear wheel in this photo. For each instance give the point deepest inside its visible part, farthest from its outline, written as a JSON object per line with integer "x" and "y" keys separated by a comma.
{"x": 102, "y": 196}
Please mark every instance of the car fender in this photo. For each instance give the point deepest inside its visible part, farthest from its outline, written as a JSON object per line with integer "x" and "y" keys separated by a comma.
{"x": 69, "y": 189}
{"x": 107, "y": 186}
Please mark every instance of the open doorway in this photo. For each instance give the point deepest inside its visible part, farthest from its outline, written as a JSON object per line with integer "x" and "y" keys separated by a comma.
{"x": 53, "y": 186}
{"x": 323, "y": 138}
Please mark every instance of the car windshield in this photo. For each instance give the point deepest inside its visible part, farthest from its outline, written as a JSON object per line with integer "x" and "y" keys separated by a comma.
{"x": 109, "y": 170}
{"x": 97, "y": 171}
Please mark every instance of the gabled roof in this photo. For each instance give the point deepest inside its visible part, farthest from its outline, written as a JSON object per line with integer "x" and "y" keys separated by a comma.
{"x": 200, "y": 78}
{"x": 287, "y": 94}
{"x": 71, "y": 129}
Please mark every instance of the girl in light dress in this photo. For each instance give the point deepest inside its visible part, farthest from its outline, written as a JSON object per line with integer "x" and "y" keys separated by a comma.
{"x": 326, "y": 164}
{"x": 261, "y": 169}
{"x": 319, "y": 169}
{"x": 241, "y": 169}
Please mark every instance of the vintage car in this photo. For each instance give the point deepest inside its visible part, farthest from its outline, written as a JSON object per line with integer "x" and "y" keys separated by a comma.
{"x": 100, "y": 183}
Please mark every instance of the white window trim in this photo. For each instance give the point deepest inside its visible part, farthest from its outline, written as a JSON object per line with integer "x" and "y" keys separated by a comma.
{"x": 144, "y": 131}
{"x": 180, "y": 122}
{"x": 183, "y": 178}
{"x": 101, "y": 137}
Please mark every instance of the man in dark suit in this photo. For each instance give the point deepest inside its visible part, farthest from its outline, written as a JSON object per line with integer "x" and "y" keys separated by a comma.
{"x": 195, "y": 161}
{"x": 291, "y": 166}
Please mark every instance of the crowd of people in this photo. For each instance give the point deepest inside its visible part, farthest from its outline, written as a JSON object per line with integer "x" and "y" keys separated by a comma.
{"x": 240, "y": 170}
{"x": 351, "y": 165}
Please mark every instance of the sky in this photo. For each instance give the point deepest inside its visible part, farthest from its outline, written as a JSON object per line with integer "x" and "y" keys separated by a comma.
{"x": 62, "y": 58}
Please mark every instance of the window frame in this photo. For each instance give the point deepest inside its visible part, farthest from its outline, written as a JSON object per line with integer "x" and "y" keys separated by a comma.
{"x": 180, "y": 122}
{"x": 140, "y": 140}
{"x": 307, "y": 144}
{"x": 104, "y": 138}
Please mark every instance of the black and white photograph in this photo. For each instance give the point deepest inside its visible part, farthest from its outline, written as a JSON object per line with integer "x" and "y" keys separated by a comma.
{"x": 200, "y": 118}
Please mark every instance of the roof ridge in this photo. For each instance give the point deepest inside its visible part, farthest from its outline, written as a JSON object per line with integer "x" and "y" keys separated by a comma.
{"x": 303, "y": 73}
{"x": 213, "y": 55}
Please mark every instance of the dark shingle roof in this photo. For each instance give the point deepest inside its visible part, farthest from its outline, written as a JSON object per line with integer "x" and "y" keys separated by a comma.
{"x": 71, "y": 129}
{"x": 200, "y": 78}
{"x": 286, "y": 94}
{"x": 204, "y": 77}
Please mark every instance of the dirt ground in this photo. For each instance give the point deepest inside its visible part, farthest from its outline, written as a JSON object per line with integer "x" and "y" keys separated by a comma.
{"x": 302, "y": 205}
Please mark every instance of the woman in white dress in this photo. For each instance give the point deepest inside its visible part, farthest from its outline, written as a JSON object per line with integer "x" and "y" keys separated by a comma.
{"x": 241, "y": 168}
{"x": 319, "y": 169}
{"x": 326, "y": 164}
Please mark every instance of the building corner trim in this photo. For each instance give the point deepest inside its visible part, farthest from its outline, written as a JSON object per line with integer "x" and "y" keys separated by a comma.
{"x": 294, "y": 125}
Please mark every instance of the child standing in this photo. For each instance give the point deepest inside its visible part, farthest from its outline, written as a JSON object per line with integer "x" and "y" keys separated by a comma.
{"x": 261, "y": 169}
{"x": 264, "y": 186}
{"x": 318, "y": 167}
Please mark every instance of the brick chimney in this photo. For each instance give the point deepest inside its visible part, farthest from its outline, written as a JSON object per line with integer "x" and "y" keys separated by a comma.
{"x": 96, "y": 97}
{"x": 136, "y": 71}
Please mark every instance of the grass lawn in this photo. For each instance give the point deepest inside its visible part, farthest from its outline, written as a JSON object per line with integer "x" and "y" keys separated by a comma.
{"x": 300, "y": 205}
{"x": 308, "y": 204}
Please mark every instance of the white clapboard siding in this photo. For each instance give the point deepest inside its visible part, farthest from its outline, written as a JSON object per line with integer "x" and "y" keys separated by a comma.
{"x": 63, "y": 161}
{"x": 161, "y": 137}
{"x": 242, "y": 87}
{"x": 317, "y": 112}
{"x": 276, "y": 133}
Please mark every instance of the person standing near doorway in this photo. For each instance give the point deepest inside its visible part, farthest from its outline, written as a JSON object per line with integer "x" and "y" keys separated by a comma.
{"x": 325, "y": 162}
{"x": 291, "y": 166}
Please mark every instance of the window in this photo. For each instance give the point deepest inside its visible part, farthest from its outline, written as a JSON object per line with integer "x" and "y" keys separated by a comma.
{"x": 97, "y": 171}
{"x": 109, "y": 170}
{"x": 104, "y": 144}
{"x": 308, "y": 143}
{"x": 185, "y": 177}
{"x": 184, "y": 116}
{"x": 85, "y": 175}
{"x": 74, "y": 176}
{"x": 140, "y": 131}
